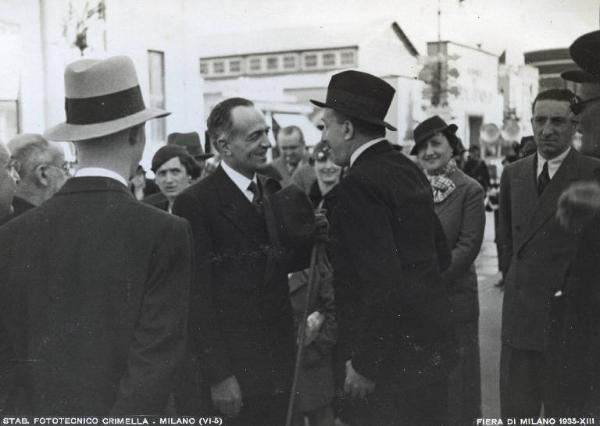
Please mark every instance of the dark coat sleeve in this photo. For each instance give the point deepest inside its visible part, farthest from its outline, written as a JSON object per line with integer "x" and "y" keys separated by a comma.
{"x": 7, "y": 372}
{"x": 158, "y": 343}
{"x": 505, "y": 239}
{"x": 204, "y": 328}
{"x": 470, "y": 236}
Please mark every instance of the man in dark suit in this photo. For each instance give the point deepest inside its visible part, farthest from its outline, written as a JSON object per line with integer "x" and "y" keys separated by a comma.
{"x": 93, "y": 309}
{"x": 541, "y": 254}
{"x": 240, "y": 312}
{"x": 393, "y": 311}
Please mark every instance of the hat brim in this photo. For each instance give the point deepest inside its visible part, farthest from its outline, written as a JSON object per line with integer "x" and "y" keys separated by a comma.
{"x": 371, "y": 120}
{"x": 585, "y": 54}
{"x": 203, "y": 156}
{"x": 415, "y": 149}
{"x": 78, "y": 132}
{"x": 579, "y": 76}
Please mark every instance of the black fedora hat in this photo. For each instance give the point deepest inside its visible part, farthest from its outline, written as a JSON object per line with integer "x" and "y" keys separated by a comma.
{"x": 585, "y": 51}
{"x": 359, "y": 95}
{"x": 428, "y": 128}
{"x": 191, "y": 142}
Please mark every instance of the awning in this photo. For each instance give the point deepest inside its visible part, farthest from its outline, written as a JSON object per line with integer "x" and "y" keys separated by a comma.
{"x": 312, "y": 135}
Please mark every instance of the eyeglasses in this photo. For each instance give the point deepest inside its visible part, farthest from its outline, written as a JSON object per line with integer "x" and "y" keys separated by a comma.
{"x": 577, "y": 107}
{"x": 65, "y": 168}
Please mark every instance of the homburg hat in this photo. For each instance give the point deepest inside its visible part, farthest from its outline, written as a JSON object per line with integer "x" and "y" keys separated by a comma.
{"x": 359, "y": 95}
{"x": 426, "y": 129}
{"x": 101, "y": 97}
{"x": 191, "y": 142}
{"x": 585, "y": 51}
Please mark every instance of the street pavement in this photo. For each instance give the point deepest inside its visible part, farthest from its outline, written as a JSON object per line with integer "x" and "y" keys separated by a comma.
{"x": 490, "y": 305}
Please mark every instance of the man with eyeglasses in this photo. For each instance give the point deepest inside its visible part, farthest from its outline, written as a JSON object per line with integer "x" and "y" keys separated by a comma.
{"x": 42, "y": 168}
{"x": 8, "y": 184}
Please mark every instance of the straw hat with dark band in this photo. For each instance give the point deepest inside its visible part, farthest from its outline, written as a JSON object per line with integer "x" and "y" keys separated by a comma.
{"x": 101, "y": 97}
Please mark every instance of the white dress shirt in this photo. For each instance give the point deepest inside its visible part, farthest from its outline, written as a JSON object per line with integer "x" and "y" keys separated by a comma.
{"x": 100, "y": 172}
{"x": 241, "y": 181}
{"x": 553, "y": 163}
{"x": 363, "y": 148}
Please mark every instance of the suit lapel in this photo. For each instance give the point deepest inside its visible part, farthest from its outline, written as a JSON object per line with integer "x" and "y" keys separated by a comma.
{"x": 236, "y": 207}
{"x": 545, "y": 205}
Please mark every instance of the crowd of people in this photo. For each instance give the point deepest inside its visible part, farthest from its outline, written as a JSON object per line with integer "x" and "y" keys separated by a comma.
{"x": 330, "y": 286}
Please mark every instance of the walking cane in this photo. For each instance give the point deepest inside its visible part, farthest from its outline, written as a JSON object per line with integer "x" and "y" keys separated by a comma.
{"x": 312, "y": 279}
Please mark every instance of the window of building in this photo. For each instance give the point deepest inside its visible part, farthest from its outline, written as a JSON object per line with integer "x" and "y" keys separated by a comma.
{"x": 289, "y": 62}
{"x": 255, "y": 64}
{"x": 9, "y": 119}
{"x": 218, "y": 67}
{"x": 156, "y": 68}
{"x": 273, "y": 63}
{"x": 347, "y": 58}
{"x": 328, "y": 59}
{"x": 235, "y": 65}
{"x": 310, "y": 60}
{"x": 204, "y": 67}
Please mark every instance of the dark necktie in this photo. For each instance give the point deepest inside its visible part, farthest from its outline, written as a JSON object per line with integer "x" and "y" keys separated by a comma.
{"x": 543, "y": 179}
{"x": 256, "y": 196}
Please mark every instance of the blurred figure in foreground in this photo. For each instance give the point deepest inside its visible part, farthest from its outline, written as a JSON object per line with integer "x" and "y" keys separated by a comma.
{"x": 98, "y": 299}
{"x": 458, "y": 202}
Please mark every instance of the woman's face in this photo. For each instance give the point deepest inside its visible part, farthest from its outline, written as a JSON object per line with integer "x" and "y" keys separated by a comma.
{"x": 327, "y": 171}
{"x": 434, "y": 153}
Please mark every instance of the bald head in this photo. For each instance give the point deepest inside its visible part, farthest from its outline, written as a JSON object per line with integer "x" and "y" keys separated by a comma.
{"x": 40, "y": 164}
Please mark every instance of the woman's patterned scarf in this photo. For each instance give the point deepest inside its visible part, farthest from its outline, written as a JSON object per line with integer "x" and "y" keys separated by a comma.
{"x": 440, "y": 182}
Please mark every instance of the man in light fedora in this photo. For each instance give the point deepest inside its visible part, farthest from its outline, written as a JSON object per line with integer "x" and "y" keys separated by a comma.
{"x": 394, "y": 314}
{"x": 93, "y": 307}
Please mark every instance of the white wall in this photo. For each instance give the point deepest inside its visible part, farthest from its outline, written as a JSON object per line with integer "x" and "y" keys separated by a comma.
{"x": 383, "y": 54}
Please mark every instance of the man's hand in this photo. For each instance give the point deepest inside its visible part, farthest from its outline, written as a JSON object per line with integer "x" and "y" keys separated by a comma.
{"x": 227, "y": 396}
{"x": 313, "y": 324}
{"x": 356, "y": 385}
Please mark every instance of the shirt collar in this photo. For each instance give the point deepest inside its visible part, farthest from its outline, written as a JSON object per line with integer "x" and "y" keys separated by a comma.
{"x": 100, "y": 171}
{"x": 553, "y": 163}
{"x": 362, "y": 149}
{"x": 238, "y": 179}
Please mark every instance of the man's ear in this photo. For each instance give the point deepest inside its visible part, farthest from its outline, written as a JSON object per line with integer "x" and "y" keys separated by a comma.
{"x": 348, "y": 130}
{"x": 133, "y": 135}
{"x": 41, "y": 175}
{"x": 222, "y": 146}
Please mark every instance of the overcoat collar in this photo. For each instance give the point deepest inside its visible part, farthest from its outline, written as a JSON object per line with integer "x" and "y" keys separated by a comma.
{"x": 379, "y": 148}
{"x": 459, "y": 179}
{"x": 93, "y": 184}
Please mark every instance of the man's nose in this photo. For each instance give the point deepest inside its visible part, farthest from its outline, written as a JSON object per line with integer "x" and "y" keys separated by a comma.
{"x": 264, "y": 142}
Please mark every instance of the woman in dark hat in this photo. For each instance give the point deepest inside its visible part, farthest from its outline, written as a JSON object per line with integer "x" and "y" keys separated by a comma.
{"x": 458, "y": 202}
{"x": 328, "y": 175}
{"x": 175, "y": 170}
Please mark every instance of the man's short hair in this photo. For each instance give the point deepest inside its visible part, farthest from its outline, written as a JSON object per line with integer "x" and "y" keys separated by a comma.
{"x": 360, "y": 126}
{"x": 291, "y": 130}
{"x": 219, "y": 121}
{"x": 564, "y": 95}
{"x": 30, "y": 152}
